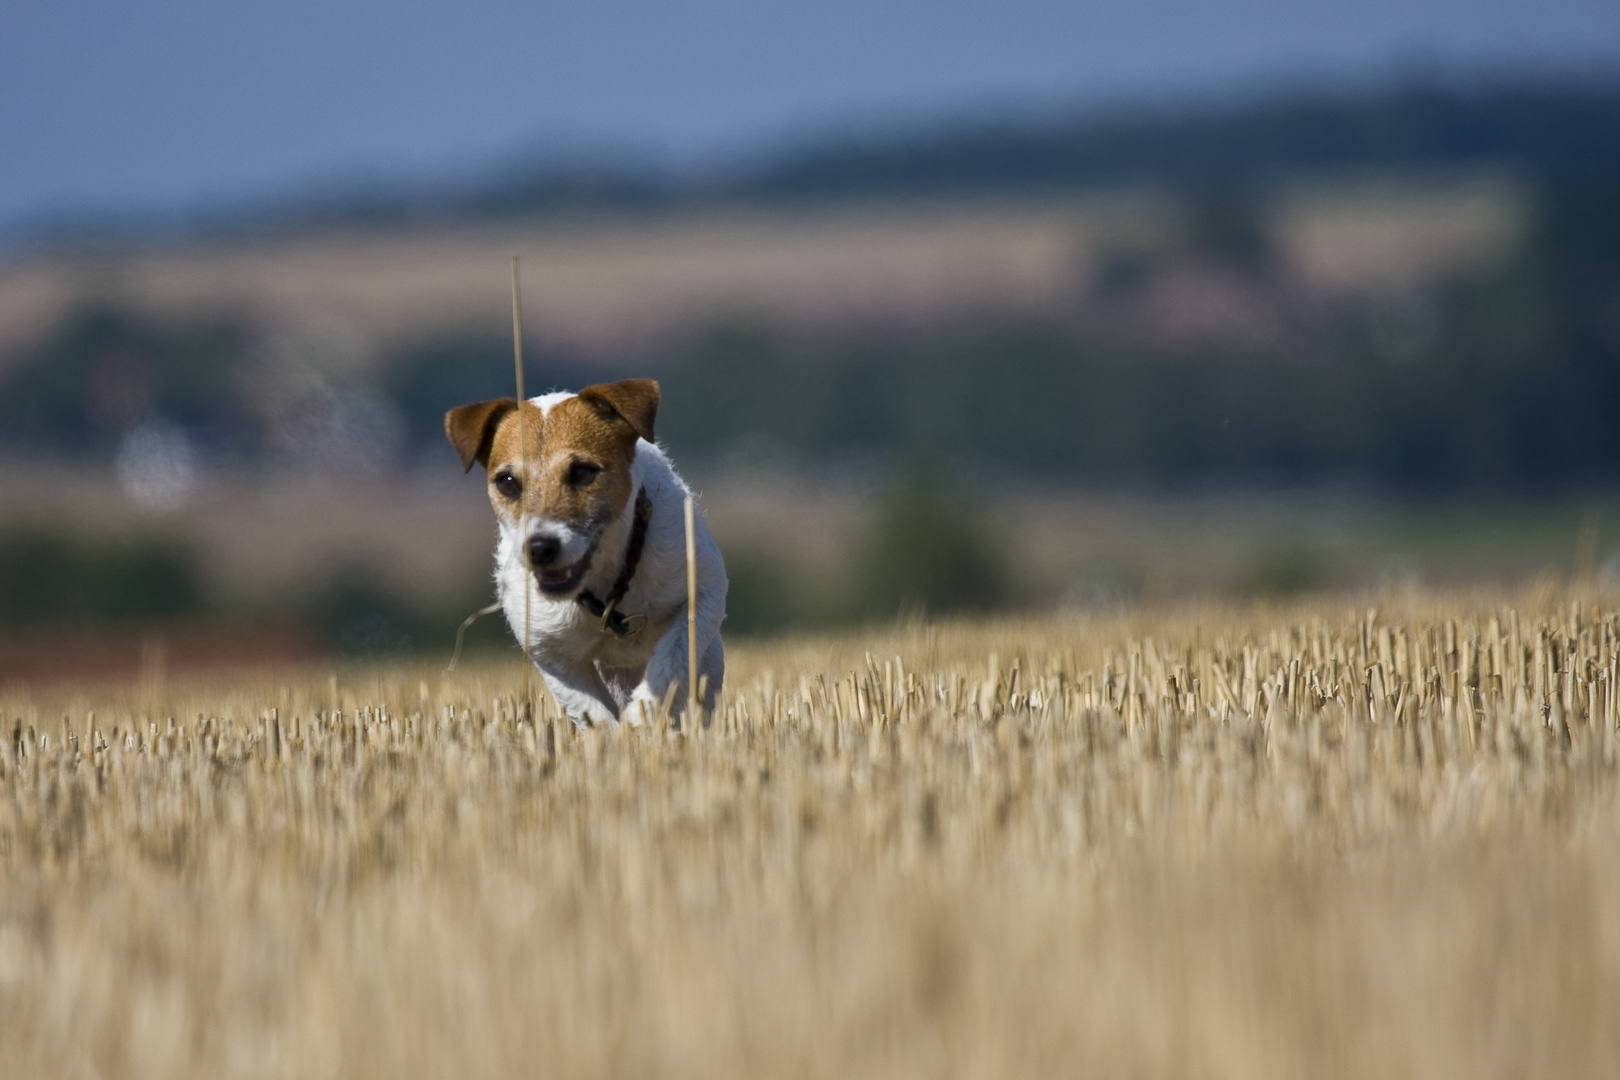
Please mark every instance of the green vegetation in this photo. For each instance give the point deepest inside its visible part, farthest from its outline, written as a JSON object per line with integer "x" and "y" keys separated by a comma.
{"x": 60, "y": 580}
{"x": 51, "y": 578}
{"x": 1506, "y": 381}
{"x": 356, "y": 611}
{"x": 925, "y": 554}
{"x": 104, "y": 368}
{"x": 436, "y": 374}
{"x": 766, "y": 596}
{"x": 922, "y": 550}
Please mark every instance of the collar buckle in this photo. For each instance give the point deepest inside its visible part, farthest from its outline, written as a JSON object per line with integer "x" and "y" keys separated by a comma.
{"x": 620, "y": 625}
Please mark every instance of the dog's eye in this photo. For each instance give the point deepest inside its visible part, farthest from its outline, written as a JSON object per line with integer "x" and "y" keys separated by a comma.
{"x": 581, "y": 473}
{"x": 508, "y": 485}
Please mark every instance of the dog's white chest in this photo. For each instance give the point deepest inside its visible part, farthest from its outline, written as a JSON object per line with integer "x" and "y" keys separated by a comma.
{"x": 547, "y": 627}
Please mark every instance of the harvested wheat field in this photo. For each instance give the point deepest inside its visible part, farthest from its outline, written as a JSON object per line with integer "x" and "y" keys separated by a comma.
{"x": 1208, "y": 842}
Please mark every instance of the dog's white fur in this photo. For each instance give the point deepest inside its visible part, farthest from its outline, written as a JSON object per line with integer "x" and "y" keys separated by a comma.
{"x": 598, "y": 678}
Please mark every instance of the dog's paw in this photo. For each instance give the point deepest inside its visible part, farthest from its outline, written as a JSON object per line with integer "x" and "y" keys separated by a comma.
{"x": 641, "y": 707}
{"x": 592, "y": 715}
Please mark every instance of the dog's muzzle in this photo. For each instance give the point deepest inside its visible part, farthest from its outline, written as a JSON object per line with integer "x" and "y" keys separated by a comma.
{"x": 543, "y": 553}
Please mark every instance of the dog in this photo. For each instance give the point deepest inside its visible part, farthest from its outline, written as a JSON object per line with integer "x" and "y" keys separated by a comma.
{"x": 590, "y": 566}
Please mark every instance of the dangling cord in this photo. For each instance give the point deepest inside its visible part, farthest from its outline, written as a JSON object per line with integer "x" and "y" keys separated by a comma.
{"x": 461, "y": 633}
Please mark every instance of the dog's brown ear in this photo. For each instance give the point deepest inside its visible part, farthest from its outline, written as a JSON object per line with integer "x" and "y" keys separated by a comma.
{"x": 471, "y": 429}
{"x": 635, "y": 401}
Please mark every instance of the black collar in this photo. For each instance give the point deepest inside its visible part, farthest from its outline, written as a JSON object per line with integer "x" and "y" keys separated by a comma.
{"x": 614, "y": 621}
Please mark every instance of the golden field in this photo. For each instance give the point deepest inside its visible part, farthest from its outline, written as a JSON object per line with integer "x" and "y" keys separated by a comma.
{"x": 1215, "y": 841}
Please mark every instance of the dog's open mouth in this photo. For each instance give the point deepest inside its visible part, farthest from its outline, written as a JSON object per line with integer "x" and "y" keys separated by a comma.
{"x": 560, "y": 580}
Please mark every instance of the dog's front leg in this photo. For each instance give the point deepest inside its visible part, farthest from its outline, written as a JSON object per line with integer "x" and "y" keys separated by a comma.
{"x": 580, "y": 693}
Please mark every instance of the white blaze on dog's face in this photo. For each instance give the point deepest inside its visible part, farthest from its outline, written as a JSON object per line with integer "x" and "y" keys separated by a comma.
{"x": 568, "y": 480}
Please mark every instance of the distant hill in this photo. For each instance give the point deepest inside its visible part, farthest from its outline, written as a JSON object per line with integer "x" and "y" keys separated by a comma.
{"x": 1537, "y": 127}
{"x": 1529, "y": 126}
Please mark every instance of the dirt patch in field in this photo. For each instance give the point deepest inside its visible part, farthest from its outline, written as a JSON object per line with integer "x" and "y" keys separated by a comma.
{"x": 57, "y": 658}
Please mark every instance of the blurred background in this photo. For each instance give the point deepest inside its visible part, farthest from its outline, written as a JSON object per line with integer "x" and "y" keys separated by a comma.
{"x": 956, "y": 305}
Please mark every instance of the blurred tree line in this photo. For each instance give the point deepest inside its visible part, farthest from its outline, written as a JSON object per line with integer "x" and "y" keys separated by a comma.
{"x": 1504, "y": 381}
{"x": 104, "y": 368}
{"x": 55, "y": 580}
{"x": 51, "y": 579}
{"x": 1539, "y": 126}
{"x": 1507, "y": 381}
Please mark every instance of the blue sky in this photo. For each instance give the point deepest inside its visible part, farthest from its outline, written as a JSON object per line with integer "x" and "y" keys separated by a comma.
{"x": 169, "y": 104}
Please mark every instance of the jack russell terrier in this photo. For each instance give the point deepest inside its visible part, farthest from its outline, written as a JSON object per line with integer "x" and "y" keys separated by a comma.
{"x": 591, "y": 562}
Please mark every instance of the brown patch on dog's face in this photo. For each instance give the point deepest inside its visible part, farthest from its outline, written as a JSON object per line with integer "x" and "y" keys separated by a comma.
{"x": 574, "y": 470}
{"x": 570, "y": 477}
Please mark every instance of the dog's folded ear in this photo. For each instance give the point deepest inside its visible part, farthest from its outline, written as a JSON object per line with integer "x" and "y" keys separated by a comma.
{"x": 471, "y": 429}
{"x": 635, "y": 401}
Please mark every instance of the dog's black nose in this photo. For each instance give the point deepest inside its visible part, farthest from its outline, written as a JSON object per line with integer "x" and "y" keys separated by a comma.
{"x": 543, "y": 550}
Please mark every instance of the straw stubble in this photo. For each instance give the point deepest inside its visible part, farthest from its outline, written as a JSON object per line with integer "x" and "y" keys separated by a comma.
{"x": 1198, "y": 843}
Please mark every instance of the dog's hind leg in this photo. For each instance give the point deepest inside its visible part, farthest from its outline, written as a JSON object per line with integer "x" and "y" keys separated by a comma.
{"x": 667, "y": 669}
{"x": 712, "y": 673}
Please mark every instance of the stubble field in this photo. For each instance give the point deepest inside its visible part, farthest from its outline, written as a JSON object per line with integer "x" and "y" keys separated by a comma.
{"x": 1313, "y": 840}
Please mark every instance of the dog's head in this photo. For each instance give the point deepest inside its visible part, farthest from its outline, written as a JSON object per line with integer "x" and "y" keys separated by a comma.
{"x": 565, "y": 479}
